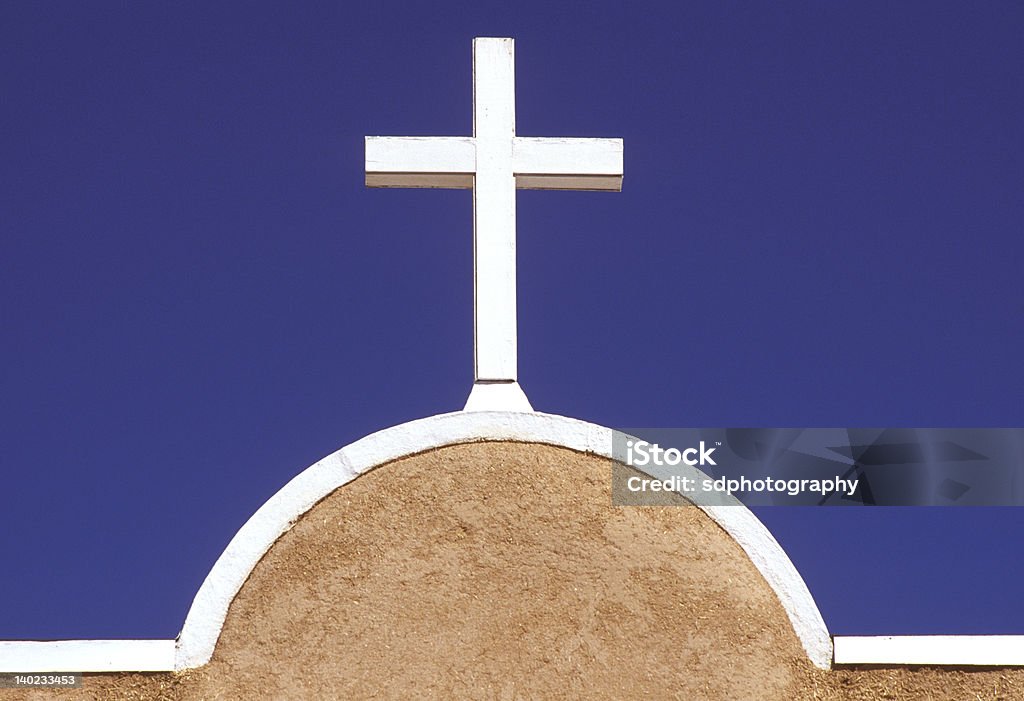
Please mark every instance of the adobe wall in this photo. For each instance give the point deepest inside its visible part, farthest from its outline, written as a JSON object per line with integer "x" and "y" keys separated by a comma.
{"x": 502, "y": 571}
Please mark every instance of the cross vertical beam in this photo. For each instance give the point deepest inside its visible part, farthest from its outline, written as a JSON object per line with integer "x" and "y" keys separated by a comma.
{"x": 494, "y": 211}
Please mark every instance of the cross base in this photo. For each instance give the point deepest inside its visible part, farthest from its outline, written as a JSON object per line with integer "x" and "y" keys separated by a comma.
{"x": 497, "y": 396}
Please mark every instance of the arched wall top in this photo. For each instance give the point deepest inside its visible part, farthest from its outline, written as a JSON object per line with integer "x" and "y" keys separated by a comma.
{"x": 205, "y": 619}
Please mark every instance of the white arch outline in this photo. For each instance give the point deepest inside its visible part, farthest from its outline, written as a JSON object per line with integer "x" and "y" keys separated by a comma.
{"x": 205, "y": 619}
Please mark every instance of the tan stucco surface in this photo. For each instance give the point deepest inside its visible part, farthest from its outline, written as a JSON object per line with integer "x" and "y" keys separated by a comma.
{"x": 503, "y": 571}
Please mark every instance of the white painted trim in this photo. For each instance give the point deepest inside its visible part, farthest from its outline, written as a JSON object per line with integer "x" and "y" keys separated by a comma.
{"x": 497, "y": 396}
{"x": 277, "y": 515}
{"x": 87, "y": 656}
{"x": 957, "y": 650}
{"x": 206, "y": 617}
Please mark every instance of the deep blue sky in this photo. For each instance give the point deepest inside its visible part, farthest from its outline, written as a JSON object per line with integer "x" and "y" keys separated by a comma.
{"x": 821, "y": 225}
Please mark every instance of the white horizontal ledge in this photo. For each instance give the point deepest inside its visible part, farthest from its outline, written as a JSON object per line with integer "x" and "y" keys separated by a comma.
{"x": 950, "y": 650}
{"x": 87, "y": 656}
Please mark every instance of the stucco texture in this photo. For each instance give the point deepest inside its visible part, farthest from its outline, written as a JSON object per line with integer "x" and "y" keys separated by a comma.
{"x": 503, "y": 571}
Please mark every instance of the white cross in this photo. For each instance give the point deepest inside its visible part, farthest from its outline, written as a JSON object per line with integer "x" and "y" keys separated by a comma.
{"x": 494, "y": 162}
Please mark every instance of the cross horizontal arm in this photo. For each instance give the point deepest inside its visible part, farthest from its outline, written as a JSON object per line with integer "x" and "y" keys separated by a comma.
{"x": 567, "y": 164}
{"x": 420, "y": 161}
